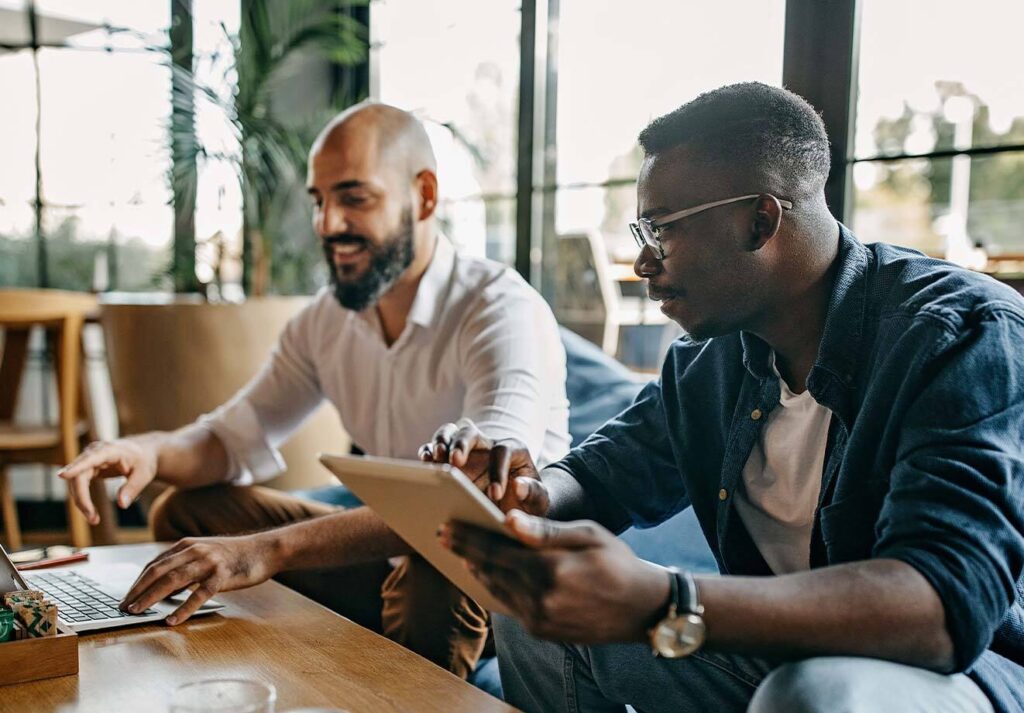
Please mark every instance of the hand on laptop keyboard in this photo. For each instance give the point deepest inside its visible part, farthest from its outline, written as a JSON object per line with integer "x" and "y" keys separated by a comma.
{"x": 78, "y": 599}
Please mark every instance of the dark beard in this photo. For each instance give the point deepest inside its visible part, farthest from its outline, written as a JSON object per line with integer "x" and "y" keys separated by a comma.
{"x": 387, "y": 262}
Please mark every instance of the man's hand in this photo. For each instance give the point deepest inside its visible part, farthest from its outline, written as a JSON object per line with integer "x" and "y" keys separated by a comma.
{"x": 504, "y": 470}
{"x": 108, "y": 459}
{"x": 573, "y": 581}
{"x": 206, "y": 565}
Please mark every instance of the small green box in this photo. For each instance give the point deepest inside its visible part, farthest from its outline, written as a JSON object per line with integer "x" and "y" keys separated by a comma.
{"x": 6, "y": 625}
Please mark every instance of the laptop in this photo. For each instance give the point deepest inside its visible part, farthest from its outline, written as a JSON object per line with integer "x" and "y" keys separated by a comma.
{"x": 87, "y": 596}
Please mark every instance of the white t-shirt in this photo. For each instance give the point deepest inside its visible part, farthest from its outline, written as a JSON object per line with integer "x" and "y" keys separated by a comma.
{"x": 479, "y": 342}
{"x": 782, "y": 480}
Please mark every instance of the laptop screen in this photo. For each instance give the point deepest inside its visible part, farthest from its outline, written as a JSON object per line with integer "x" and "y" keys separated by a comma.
{"x": 10, "y": 578}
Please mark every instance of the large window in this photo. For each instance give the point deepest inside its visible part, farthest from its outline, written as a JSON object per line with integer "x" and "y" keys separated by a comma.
{"x": 455, "y": 63}
{"x": 18, "y": 260}
{"x": 938, "y": 151}
{"x": 218, "y": 195}
{"x": 929, "y": 93}
{"x": 102, "y": 219}
{"x": 608, "y": 73}
{"x": 601, "y": 72}
{"x": 616, "y": 71}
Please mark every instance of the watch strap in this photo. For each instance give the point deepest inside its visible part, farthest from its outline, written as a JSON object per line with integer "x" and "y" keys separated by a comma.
{"x": 688, "y": 591}
{"x": 673, "y": 591}
{"x": 684, "y": 593}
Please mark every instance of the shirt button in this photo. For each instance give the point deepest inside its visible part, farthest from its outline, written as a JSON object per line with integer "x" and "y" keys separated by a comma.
{"x": 755, "y": 415}
{"x": 723, "y": 494}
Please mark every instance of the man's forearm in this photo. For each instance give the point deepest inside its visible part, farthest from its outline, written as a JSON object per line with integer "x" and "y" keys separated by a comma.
{"x": 338, "y": 540}
{"x": 190, "y": 457}
{"x": 877, "y": 608}
{"x": 569, "y": 501}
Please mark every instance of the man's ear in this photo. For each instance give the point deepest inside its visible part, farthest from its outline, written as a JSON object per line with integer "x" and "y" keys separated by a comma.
{"x": 767, "y": 219}
{"x": 426, "y": 187}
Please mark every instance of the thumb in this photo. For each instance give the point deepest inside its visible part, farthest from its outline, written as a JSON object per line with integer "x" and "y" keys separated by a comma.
{"x": 127, "y": 493}
{"x": 532, "y": 495}
{"x": 541, "y": 533}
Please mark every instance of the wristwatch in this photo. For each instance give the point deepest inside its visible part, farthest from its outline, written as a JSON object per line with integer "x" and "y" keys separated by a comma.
{"x": 681, "y": 631}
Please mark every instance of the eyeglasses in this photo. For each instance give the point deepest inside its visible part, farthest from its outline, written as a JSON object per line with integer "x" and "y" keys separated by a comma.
{"x": 647, "y": 231}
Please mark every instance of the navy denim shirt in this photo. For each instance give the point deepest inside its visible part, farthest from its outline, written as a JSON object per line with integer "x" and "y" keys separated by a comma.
{"x": 922, "y": 366}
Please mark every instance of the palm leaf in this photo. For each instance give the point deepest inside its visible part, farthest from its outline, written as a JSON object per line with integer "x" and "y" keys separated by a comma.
{"x": 272, "y": 154}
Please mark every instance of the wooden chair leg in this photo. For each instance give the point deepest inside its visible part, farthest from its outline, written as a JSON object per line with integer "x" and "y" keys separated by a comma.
{"x": 12, "y": 530}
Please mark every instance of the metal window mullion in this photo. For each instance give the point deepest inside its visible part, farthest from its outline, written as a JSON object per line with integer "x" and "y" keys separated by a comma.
{"x": 941, "y": 153}
{"x": 183, "y": 165}
{"x": 42, "y": 261}
{"x": 545, "y": 200}
{"x": 820, "y": 64}
{"x": 525, "y": 136}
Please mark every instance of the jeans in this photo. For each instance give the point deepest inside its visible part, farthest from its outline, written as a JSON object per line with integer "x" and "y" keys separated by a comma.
{"x": 547, "y": 677}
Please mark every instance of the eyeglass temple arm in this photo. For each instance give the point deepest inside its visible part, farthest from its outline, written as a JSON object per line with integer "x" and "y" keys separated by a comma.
{"x": 678, "y": 215}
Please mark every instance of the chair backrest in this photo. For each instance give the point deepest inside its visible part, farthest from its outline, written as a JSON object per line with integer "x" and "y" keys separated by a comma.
{"x": 63, "y": 313}
{"x": 29, "y": 307}
{"x": 586, "y": 299}
{"x": 171, "y": 363}
{"x": 38, "y": 306}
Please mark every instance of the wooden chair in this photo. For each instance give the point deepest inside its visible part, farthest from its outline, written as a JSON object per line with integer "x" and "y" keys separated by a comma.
{"x": 587, "y": 299}
{"x": 62, "y": 315}
{"x": 171, "y": 363}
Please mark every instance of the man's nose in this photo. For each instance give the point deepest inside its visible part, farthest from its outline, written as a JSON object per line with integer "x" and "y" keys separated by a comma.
{"x": 647, "y": 263}
{"x": 331, "y": 221}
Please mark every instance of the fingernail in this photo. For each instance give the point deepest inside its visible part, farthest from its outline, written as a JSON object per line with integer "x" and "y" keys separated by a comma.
{"x": 494, "y": 491}
{"x": 133, "y": 608}
{"x": 522, "y": 489}
{"x": 172, "y": 620}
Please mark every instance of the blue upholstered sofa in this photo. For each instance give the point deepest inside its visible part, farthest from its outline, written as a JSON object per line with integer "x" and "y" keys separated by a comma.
{"x": 598, "y": 387}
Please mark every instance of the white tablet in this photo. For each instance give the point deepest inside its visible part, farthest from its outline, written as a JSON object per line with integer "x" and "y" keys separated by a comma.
{"x": 414, "y": 499}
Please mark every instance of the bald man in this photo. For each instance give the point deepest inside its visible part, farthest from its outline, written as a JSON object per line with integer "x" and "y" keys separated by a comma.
{"x": 409, "y": 334}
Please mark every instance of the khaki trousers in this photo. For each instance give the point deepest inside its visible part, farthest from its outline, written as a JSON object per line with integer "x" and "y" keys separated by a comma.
{"x": 412, "y": 603}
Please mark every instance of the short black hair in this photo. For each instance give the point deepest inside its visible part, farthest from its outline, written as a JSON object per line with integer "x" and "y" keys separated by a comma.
{"x": 753, "y": 127}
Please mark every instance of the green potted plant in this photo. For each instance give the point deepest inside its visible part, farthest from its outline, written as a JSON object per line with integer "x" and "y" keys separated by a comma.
{"x": 271, "y": 163}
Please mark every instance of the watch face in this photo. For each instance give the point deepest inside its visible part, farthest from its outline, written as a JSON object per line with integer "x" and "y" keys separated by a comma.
{"x": 678, "y": 636}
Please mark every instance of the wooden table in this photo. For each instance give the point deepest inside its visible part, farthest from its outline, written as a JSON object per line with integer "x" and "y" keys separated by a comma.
{"x": 270, "y": 633}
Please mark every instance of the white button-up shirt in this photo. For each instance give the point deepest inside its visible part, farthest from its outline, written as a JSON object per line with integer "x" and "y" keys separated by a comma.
{"x": 479, "y": 342}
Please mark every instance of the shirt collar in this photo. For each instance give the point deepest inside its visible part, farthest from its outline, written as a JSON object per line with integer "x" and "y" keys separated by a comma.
{"x": 841, "y": 340}
{"x": 844, "y": 321}
{"x": 434, "y": 284}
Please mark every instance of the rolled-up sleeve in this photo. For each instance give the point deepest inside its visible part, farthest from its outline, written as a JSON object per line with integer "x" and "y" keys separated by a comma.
{"x": 269, "y": 408}
{"x": 627, "y": 467}
{"x": 955, "y": 509}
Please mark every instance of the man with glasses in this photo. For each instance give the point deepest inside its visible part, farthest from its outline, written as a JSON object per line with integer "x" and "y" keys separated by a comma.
{"x": 846, "y": 421}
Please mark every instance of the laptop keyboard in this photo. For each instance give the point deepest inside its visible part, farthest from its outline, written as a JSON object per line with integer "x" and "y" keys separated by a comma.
{"x": 78, "y": 598}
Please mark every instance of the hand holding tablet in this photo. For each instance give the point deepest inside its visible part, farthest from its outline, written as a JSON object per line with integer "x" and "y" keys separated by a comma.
{"x": 414, "y": 498}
